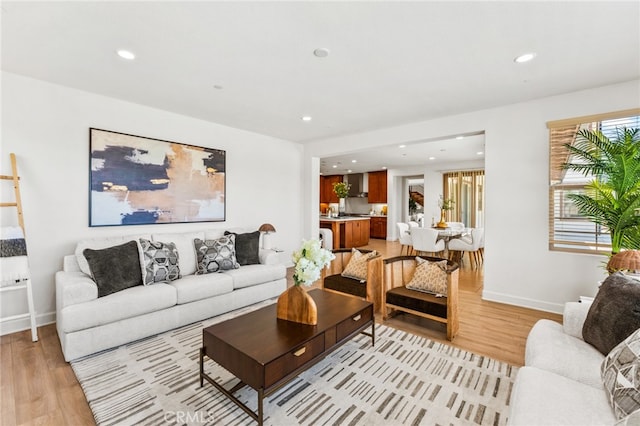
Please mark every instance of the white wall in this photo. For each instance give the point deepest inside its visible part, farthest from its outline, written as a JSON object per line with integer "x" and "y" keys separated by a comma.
{"x": 47, "y": 127}
{"x": 519, "y": 268}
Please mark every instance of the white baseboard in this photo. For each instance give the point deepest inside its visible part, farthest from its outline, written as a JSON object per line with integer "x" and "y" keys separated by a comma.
{"x": 555, "y": 308}
{"x": 22, "y": 324}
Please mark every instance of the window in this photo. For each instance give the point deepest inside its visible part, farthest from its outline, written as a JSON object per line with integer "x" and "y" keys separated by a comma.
{"x": 466, "y": 189}
{"x": 568, "y": 230}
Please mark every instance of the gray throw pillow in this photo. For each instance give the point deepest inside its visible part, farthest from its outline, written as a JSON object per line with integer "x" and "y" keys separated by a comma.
{"x": 614, "y": 313}
{"x": 114, "y": 268}
{"x": 161, "y": 261}
{"x": 247, "y": 247}
{"x": 620, "y": 373}
{"x": 216, "y": 255}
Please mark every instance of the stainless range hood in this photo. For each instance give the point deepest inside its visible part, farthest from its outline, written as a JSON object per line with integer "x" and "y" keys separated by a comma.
{"x": 359, "y": 185}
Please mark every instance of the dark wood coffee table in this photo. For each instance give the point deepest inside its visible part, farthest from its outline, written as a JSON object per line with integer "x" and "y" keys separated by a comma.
{"x": 265, "y": 352}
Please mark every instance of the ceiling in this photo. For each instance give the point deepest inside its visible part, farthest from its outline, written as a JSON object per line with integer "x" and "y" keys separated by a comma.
{"x": 437, "y": 153}
{"x": 251, "y": 65}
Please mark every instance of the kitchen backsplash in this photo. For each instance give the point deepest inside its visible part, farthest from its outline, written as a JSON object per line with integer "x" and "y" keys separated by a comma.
{"x": 359, "y": 206}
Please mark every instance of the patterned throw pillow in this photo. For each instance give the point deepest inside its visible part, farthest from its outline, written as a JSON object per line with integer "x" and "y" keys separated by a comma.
{"x": 160, "y": 262}
{"x": 357, "y": 266}
{"x": 429, "y": 277}
{"x": 620, "y": 373}
{"x": 216, "y": 255}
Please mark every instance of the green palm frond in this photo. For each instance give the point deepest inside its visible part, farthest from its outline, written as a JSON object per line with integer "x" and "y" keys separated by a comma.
{"x": 613, "y": 196}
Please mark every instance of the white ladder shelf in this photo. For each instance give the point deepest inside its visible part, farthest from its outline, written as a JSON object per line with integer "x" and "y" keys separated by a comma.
{"x": 24, "y": 284}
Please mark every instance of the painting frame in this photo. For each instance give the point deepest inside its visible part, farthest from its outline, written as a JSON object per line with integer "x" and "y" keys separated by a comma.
{"x": 138, "y": 180}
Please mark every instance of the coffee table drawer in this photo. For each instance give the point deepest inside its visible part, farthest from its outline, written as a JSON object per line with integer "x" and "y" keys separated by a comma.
{"x": 280, "y": 367}
{"x": 348, "y": 326}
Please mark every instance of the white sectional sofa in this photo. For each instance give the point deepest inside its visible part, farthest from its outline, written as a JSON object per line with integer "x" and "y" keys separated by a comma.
{"x": 560, "y": 383}
{"x": 87, "y": 323}
{"x": 585, "y": 371}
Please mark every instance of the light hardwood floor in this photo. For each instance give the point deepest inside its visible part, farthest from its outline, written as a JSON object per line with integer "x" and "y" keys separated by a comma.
{"x": 37, "y": 387}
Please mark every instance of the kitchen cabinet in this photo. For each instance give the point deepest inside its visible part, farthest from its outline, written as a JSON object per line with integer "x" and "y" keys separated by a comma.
{"x": 348, "y": 232}
{"x": 378, "y": 227}
{"x": 326, "y": 188}
{"x": 356, "y": 233}
{"x": 378, "y": 187}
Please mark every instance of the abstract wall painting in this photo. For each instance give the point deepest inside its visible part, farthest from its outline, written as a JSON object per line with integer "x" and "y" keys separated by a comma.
{"x": 137, "y": 180}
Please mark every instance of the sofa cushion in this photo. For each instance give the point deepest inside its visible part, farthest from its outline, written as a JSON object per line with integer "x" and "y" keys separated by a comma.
{"x": 100, "y": 243}
{"x": 430, "y": 277}
{"x": 216, "y": 255}
{"x": 621, "y": 376}
{"x": 184, "y": 245}
{"x": 129, "y": 303}
{"x": 540, "y": 397}
{"x": 614, "y": 313}
{"x": 115, "y": 268}
{"x": 357, "y": 266}
{"x": 550, "y": 348}
{"x": 250, "y": 275}
{"x": 247, "y": 247}
{"x": 161, "y": 261}
{"x": 197, "y": 287}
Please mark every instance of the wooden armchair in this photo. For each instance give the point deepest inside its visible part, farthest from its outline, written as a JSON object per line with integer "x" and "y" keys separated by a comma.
{"x": 370, "y": 290}
{"x": 398, "y": 271}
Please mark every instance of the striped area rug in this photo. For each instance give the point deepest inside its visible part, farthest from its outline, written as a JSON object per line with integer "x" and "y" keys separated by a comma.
{"x": 404, "y": 380}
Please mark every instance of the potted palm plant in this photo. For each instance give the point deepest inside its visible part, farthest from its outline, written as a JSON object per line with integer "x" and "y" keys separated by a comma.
{"x": 612, "y": 197}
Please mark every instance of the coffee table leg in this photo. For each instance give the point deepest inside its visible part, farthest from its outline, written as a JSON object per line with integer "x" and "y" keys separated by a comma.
{"x": 201, "y": 367}
{"x": 260, "y": 407}
{"x": 373, "y": 334}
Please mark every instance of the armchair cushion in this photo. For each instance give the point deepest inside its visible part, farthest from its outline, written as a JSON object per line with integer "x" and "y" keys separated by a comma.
{"x": 417, "y": 301}
{"x": 429, "y": 277}
{"x": 357, "y": 266}
{"x": 345, "y": 285}
{"x": 614, "y": 313}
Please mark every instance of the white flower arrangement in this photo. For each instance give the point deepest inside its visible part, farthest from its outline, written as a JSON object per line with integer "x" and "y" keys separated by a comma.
{"x": 309, "y": 261}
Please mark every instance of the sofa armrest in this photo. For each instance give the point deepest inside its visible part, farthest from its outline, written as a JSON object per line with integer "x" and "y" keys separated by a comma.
{"x": 573, "y": 318}
{"x": 268, "y": 257}
{"x": 73, "y": 288}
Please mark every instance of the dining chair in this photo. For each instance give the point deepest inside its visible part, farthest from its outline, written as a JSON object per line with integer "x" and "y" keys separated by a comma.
{"x": 425, "y": 240}
{"x": 413, "y": 224}
{"x": 460, "y": 246}
{"x": 404, "y": 237}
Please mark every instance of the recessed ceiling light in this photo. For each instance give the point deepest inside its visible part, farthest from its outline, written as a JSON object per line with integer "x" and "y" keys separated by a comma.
{"x": 524, "y": 58}
{"x": 354, "y": 161}
{"x": 432, "y": 158}
{"x": 335, "y": 166}
{"x": 402, "y": 146}
{"x": 385, "y": 168}
{"x": 349, "y": 171}
{"x": 126, "y": 54}
{"x": 321, "y": 52}
{"x": 306, "y": 118}
{"x": 460, "y": 137}
{"x": 480, "y": 152}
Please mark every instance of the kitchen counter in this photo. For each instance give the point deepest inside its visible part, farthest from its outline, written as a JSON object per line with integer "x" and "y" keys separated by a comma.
{"x": 342, "y": 218}
{"x": 348, "y": 231}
